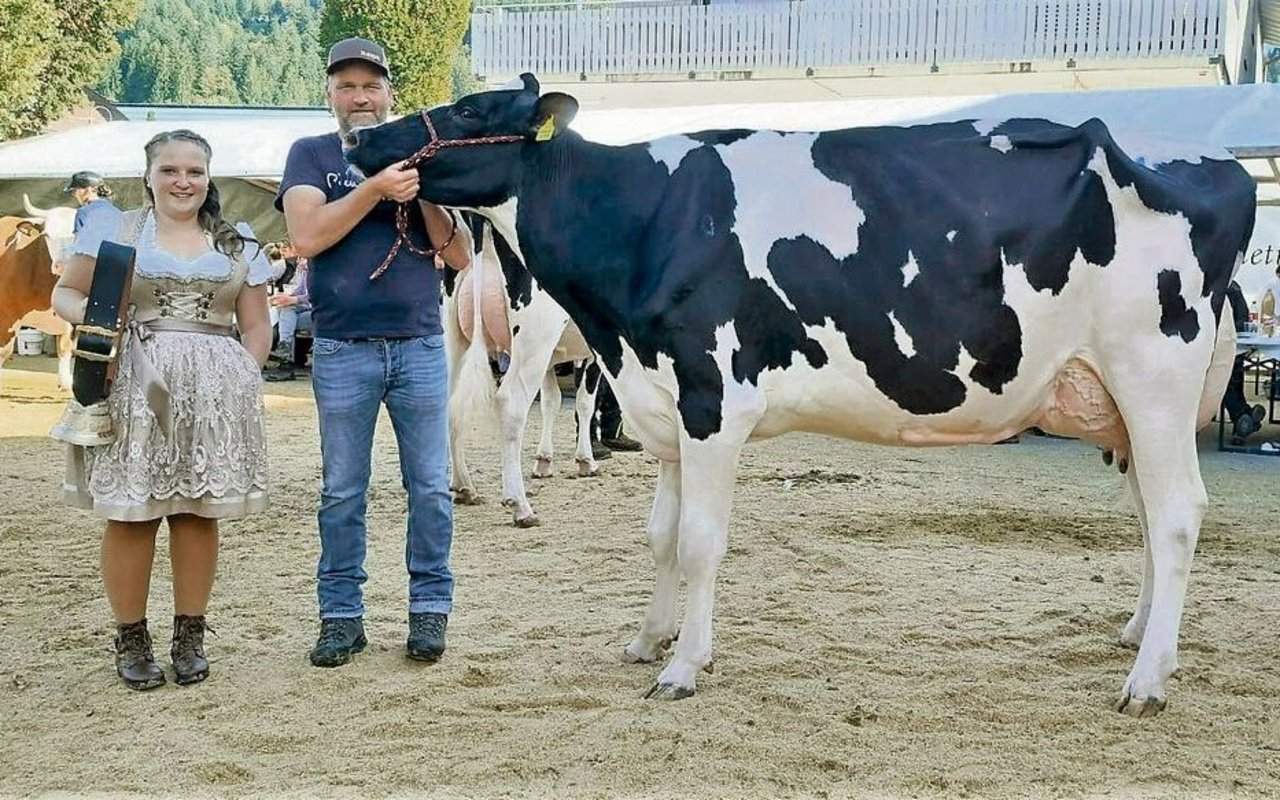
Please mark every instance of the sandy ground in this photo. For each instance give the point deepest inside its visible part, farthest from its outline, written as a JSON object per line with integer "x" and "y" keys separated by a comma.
{"x": 890, "y": 623}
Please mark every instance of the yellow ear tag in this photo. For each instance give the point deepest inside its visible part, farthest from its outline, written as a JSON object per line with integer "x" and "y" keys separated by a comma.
{"x": 546, "y": 130}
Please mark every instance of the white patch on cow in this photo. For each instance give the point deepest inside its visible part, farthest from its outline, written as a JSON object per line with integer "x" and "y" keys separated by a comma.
{"x": 984, "y": 127}
{"x": 1001, "y": 143}
{"x": 964, "y": 365}
{"x": 648, "y": 399}
{"x": 901, "y": 337}
{"x": 671, "y": 150}
{"x": 742, "y": 403}
{"x": 760, "y": 165}
{"x": 910, "y": 270}
{"x": 951, "y": 235}
{"x": 1149, "y": 242}
{"x": 503, "y": 218}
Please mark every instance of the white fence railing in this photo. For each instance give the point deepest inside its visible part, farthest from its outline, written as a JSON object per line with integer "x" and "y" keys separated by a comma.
{"x": 800, "y": 34}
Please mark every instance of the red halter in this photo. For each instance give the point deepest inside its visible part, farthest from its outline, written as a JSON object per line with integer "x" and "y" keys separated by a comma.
{"x": 435, "y": 145}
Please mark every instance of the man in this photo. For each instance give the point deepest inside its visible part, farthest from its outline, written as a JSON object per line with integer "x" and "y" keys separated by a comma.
{"x": 94, "y": 197}
{"x": 606, "y": 424}
{"x": 376, "y": 341}
{"x": 293, "y": 314}
{"x": 1246, "y": 420}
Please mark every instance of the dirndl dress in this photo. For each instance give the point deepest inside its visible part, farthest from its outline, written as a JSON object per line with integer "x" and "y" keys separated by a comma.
{"x": 186, "y": 404}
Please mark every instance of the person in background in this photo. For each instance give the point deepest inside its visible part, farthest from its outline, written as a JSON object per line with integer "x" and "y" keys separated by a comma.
{"x": 94, "y": 196}
{"x": 1245, "y": 420}
{"x": 293, "y": 314}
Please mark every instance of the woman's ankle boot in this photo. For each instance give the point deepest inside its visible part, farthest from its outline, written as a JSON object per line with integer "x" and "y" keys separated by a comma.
{"x": 189, "y": 663}
{"x": 134, "y": 661}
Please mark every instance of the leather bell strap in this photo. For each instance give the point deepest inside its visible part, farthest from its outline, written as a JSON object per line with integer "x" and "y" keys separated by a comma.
{"x": 97, "y": 344}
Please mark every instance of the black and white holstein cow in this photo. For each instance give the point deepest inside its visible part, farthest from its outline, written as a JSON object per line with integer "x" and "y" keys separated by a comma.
{"x": 925, "y": 285}
{"x": 495, "y": 306}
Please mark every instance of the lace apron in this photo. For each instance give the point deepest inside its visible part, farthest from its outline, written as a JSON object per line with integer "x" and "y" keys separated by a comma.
{"x": 186, "y": 405}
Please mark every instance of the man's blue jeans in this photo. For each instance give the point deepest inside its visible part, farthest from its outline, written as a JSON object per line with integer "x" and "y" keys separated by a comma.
{"x": 351, "y": 380}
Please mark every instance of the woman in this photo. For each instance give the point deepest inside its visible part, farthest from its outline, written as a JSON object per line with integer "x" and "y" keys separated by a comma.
{"x": 186, "y": 405}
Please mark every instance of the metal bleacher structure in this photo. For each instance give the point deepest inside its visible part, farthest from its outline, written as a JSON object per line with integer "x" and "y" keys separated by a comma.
{"x": 723, "y": 41}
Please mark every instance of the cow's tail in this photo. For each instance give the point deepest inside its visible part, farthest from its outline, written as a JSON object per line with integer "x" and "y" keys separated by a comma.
{"x": 1220, "y": 365}
{"x": 474, "y": 384}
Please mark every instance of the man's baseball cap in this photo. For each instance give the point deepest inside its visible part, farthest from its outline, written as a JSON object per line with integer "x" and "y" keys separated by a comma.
{"x": 357, "y": 49}
{"x": 83, "y": 179}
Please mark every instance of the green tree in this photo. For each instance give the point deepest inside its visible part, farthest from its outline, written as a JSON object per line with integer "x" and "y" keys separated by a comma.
{"x": 258, "y": 52}
{"x": 422, "y": 38}
{"x": 66, "y": 44}
{"x": 30, "y": 30}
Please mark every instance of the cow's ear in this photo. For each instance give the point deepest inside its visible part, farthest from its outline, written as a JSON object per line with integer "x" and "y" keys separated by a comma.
{"x": 552, "y": 114}
{"x": 530, "y": 83}
{"x": 29, "y": 228}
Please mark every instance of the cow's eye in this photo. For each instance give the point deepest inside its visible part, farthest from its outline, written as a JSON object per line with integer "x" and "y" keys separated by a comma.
{"x": 467, "y": 112}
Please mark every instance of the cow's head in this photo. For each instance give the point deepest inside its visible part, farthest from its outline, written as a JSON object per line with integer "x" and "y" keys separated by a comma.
{"x": 58, "y": 223}
{"x": 468, "y": 171}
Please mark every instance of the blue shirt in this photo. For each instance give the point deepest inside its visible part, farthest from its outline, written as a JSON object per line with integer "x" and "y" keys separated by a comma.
{"x": 345, "y": 304}
{"x": 98, "y": 211}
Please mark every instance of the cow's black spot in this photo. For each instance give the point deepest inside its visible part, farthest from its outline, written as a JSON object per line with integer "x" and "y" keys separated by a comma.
{"x": 515, "y": 330}
{"x": 590, "y": 377}
{"x": 450, "y": 280}
{"x": 1175, "y": 318}
{"x": 519, "y": 280}
{"x": 720, "y": 137}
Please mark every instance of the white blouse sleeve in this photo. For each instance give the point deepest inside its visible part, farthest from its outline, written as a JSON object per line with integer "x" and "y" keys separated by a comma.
{"x": 259, "y": 266}
{"x": 97, "y": 229}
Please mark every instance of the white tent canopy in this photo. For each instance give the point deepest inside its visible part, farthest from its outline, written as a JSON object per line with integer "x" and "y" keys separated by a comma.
{"x": 242, "y": 148}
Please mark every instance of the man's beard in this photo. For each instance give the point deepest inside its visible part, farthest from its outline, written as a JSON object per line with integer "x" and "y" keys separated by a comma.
{"x": 356, "y": 119}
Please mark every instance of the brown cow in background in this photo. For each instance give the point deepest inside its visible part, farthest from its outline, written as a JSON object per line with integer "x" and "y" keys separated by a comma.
{"x": 27, "y": 248}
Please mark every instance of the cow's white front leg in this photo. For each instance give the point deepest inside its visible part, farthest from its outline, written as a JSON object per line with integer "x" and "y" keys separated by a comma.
{"x": 1131, "y": 635}
{"x": 707, "y": 474}
{"x": 64, "y": 361}
{"x": 659, "y": 628}
{"x": 550, "y": 404}
{"x": 6, "y": 350}
{"x": 1173, "y": 496}
{"x": 585, "y": 408}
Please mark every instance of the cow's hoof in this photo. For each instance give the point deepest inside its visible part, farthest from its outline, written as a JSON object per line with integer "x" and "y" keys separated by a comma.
{"x": 543, "y": 469}
{"x": 1139, "y": 707}
{"x": 530, "y": 521}
{"x": 668, "y": 691}
{"x": 1108, "y": 457}
{"x": 467, "y": 497}
{"x": 638, "y": 654}
{"x": 587, "y": 470}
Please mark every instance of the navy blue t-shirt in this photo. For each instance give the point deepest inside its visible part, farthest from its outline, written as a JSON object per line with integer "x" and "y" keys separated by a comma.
{"x": 345, "y": 304}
